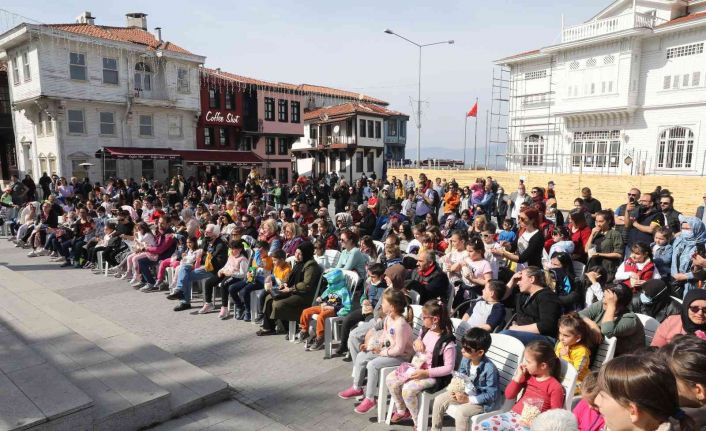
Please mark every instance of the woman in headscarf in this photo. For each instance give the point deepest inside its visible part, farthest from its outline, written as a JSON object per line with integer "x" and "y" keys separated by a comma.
{"x": 296, "y": 294}
{"x": 690, "y": 240}
{"x": 654, "y": 301}
{"x": 692, "y": 319}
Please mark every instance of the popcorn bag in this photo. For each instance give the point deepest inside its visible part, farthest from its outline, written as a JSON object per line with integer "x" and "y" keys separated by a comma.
{"x": 531, "y": 408}
{"x": 406, "y": 369}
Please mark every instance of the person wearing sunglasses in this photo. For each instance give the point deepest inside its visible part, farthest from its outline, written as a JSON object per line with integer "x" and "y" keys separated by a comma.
{"x": 692, "y": 319}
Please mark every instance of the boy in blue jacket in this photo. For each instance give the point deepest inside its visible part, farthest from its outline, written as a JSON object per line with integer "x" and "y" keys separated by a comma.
{"x": 334, "y": 301}
{"x": 481, "y": 389}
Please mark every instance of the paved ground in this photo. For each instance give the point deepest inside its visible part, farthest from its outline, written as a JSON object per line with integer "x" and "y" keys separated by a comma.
{"x": 276, "y": 384}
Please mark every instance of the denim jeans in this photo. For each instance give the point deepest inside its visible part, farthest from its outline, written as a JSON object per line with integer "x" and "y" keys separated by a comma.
{"x": 186, "y": 276}
{"x": 526, "y": 337}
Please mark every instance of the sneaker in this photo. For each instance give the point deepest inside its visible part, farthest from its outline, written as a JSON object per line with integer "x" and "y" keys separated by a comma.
{"x": 53, "y": 254}
{"x": 365, "y": 406}
{"x": 348, "y": 357}
{"x": 301, "y": 336}
{"x": 224, "y": 314}
{"x": 136, "y": 283}
{"x": 148, "y": 288}
{"x": 259, "y": 320}
{"x": 317, "y": 344}
{"x": 351, "y": 392}
{"x": 42, "y": 252}
{"x": 20, "y": 243}
{"x": 207, "y": 308}
{"x": 239, "y": 314}
{"x": 162, "y": 285}
{"x": 182, "y": 306}
{"x": 246, "y": 316}
{"x": 32, "y": 253}
{"x": 56, "y": 258}
{"x": 176, "y": 295}
{"x": 399, "y": 417}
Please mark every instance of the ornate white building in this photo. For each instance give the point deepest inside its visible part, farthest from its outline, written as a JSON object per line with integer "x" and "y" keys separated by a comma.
{"x": 624, "y": 92}
{"x": 77, "y": 88}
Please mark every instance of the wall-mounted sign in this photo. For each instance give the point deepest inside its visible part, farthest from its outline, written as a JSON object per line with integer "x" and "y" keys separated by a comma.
{"x": 217, "y": 117}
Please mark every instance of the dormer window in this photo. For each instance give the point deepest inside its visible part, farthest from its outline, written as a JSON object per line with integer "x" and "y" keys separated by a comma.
{"x": 143, "y": 77}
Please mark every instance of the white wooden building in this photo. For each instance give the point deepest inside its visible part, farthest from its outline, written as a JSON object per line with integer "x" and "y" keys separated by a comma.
{"x": 623, "y": 92}
{"x": 77, "y": 88}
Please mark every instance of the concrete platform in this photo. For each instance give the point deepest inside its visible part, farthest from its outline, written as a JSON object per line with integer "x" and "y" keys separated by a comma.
{"x": 59, "y": 361}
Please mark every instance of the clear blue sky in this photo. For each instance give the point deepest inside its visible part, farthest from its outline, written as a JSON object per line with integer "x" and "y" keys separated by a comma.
{"x": 342, "y": 45}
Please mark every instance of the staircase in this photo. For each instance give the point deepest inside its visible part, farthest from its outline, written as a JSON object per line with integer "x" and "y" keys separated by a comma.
{"x": 65, "y": 368}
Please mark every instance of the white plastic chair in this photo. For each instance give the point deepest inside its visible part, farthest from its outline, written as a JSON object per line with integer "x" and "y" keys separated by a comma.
{"x": 579, "y": 269}
{"x": 332, "y": 325}
{"x": 379, "y": 246}
{"x": 332, "y": 257}
{"x": 651, "y": 324}
{"x": 291, "y": 260}
{"x": 677, "y": 299}
{"x": 605, "y": 352}
{"x": 413, "y": 296}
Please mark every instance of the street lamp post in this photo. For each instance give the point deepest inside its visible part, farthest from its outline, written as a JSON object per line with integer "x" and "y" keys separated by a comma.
{"x": 419, "y": 89}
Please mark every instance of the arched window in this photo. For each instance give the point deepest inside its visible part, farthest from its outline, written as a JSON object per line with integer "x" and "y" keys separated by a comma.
{"x": 676, "y": 148}
{"x": 143, "y": 77}
{"x": 533, "y": 151}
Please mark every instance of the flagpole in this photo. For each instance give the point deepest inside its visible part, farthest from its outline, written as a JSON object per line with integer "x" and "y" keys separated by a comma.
{"x": 475, "y": 141}
{"x": 465, "y": 132}
{"x": 486, "y": 139}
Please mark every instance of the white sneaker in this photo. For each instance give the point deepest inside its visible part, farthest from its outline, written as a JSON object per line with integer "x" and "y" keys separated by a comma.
{"x": 56, "y": 259}
{"x": 136, "y": 283}
{"x": 42, "y": 252}
{"x": 207, "y": 308}
{"x": 53, "y": 254}
{"x": 148, "y": 288}
{"x": 32, "y": 253}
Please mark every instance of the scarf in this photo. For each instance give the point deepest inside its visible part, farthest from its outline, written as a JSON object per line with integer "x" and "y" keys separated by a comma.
{"x": 689, "y": 326}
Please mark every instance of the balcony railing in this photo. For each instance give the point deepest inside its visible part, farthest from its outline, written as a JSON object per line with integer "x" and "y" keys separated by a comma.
{"x": 610, "y": 25}
{"x": 327, "y": 141}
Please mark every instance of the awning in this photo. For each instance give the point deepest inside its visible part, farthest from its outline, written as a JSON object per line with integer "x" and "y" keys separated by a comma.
{"x": 139, "y": 153}
{"x": 225, "y": 157}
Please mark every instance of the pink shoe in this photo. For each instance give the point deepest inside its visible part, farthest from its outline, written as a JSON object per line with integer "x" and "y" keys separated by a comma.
{"x": 399, "y": 417}
{"x": 350, "y": 393}
{"x": 365, "y": 406}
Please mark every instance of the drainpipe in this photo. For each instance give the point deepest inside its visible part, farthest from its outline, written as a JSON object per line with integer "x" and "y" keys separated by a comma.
{"x": 60, "y": 143}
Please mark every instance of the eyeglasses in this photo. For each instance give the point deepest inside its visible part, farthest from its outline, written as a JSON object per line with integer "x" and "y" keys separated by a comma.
{"x": 426, "y": 317}
{"x": 534, "y": 191}
{"x": 485, "y": 235}
{"x": 664, "y": 203}
{"x": 632, "y": 194}
{"x": 523, "y": 219}
{"x": 695, "y": 309}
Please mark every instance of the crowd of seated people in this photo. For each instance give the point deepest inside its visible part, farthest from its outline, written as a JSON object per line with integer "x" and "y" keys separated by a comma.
{"x": 509, "y": 264}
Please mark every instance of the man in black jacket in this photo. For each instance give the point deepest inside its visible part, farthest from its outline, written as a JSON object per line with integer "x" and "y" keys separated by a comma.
{"x": 537, "y": 308}
{"x": 429, "y": 280}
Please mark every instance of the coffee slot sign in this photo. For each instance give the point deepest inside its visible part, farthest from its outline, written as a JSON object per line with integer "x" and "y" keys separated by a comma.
{"x": 217, "y": 117}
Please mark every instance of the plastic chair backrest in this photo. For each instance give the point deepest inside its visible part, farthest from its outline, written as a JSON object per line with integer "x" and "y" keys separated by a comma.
{"x": 579, "y": 269}
{"x": 379, "y": 246}
{"x": 250, "y": 240}
{"x": 568, "y": 382}
{"x": 677, "y": 299}
{"x": 291, "y": 260}
{"x": 450, "y": 299}
{"x": 417, "y": 319}
{"x": 506, "y": 353}
{"x": 455, "y": 321}
{"x": 332, "y": 257}
{"x": 651, "y": 324}
{"x": 352, "y": 279}
{"x": 414, "y": 296}
{"x": 605, "y": 352}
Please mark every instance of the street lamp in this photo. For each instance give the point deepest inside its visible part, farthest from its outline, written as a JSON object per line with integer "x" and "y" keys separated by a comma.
{"x": 419, "y": 93}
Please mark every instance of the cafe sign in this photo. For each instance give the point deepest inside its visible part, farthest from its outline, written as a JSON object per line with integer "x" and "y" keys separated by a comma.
{"x": 217, "y": 117}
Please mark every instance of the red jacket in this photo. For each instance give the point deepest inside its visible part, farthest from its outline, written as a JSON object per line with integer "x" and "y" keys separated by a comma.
{"x": 645, "y": 274}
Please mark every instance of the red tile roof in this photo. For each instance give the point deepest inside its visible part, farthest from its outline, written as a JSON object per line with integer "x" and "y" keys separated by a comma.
{"x": 349, "y": 108}
{"x": 303, "y": 88}
{"x": 120, "y": 34}
{"x": 683, "y": 19}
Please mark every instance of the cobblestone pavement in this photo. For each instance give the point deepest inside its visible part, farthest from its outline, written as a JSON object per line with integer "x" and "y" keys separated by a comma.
{"x": 276, "y": 384}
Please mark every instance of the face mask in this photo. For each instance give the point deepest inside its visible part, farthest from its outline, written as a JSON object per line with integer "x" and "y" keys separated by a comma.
{"x": 645, "y": 299}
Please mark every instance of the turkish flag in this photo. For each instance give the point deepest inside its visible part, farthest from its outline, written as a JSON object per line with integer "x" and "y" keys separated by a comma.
{"x": 474, "y": 111}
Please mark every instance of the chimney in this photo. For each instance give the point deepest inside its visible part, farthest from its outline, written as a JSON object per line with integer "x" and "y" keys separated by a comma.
{"x": 159, "y": 33}
{"x": 136, "y": 20}
{"x": 85, "y": 18}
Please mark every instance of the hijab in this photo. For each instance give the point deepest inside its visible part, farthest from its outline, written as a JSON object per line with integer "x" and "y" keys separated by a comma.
{"x": 694, "y": 236}
{"x": 307, "y": 250}
{"x": 693, "y": 295}
{"x": 654, "y": 297}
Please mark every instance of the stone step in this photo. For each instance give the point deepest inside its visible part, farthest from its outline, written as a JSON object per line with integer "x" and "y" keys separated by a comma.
{"x": 133, "y": 383}
{"x": 33, "y": 393}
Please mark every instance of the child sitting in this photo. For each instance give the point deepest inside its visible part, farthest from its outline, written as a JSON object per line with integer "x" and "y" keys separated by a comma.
{"x": 538, "y": 375}
{"x": 260, "y": 268}
{"x": 488, "y": 236}
{"x": 572, "y": 345}
{"x": 481, "y": 389}
{"x": 506, "y": 233}
{"x": 662, "y": 251}
{"x": 375, "y": 285}
{"x": 637, "y": 268}
{"x": 586, "y": 413}
{"x": 335, "y": 301}
{"x": 487, "y": 313}
{"x": 280, "y": 272}
{"x": 437, "y": 346}
{"x": 386, "y": 348}
{"x": 561, "y": 236}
